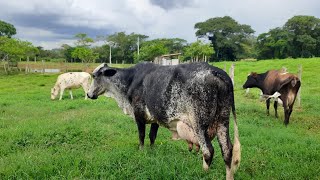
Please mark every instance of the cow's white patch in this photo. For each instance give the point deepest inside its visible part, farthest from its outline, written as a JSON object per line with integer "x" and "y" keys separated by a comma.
{"x": 121, "y": 99}
{"x": 150, "y": 119}
{"x": 98, "y": 68}
{"x": 274, "y": 97}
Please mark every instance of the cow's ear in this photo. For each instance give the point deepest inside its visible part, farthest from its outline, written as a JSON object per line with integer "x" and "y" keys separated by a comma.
{"x": 109, "y": 72}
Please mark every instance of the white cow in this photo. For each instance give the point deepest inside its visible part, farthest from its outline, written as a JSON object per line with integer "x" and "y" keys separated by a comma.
{"x": 71, "y": 80}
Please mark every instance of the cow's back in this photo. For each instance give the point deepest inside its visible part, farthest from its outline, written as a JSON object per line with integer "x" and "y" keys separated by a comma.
{"x": 73, "y": 79}
{"x": 171, "y": 92}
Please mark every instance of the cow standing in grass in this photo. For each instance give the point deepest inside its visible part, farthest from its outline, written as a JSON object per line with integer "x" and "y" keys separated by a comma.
{"x": 197, "y": 94}
{"x": 71, "y": 80}
{"x": 282, "y": 84}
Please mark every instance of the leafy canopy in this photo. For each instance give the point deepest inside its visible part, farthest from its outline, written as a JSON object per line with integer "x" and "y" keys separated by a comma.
{"x": 7, "y": 29}
{"x": 226, "y": 35}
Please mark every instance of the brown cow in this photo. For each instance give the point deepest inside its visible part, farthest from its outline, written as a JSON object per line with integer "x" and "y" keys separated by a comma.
{"x": 274, "y": 81}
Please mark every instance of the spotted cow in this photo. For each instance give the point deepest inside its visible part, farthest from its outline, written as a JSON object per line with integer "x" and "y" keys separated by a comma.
{"x": 199, "y": 95}
{"x": 71, "y": 80}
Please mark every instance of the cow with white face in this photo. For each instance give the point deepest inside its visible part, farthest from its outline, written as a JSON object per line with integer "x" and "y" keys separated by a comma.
{"x": 71, "y": 80}
{"x": 198, "y": 95}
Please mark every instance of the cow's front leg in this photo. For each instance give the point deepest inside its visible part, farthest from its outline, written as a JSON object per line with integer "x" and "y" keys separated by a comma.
{"x": 61, "y": 93}
{"x": 142, "y": 130}
{"x": 70, "y": 94}
{"x": 268, "y": 105}
{"x": 85, "y": 89}
{"x": 153, "y": 133}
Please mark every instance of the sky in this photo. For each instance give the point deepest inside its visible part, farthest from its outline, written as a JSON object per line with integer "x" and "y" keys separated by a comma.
{"x": 52, "y": 23}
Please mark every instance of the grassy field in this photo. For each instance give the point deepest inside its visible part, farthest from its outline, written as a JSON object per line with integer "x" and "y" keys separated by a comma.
{"x": 78, "y": 139}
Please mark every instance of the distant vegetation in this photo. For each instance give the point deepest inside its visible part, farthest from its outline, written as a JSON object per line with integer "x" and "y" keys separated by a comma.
{"x": 227, "y": 39}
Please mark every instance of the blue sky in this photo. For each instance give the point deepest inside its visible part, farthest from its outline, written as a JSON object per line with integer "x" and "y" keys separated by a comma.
{"x": 52, "y": 23}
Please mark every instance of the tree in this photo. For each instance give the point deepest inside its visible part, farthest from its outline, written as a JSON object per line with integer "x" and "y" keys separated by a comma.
{"x": 304, "y": 36}
{"x": 85, "y": 54}
{"x": 150, "y": 51}
{"x": 11, "y": 48}
{"x": 83, "y": 40}
{"x": 7, "y": 29}
{"x": 125, "y": 45}
{"x": 226, "y": 35}
{"x": 198, "y": 51}
{"x": 274, "y": 44}
{"x": 67, "y": 52}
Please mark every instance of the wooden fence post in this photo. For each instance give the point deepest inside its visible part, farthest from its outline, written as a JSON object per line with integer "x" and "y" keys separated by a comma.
{"x": 231, "y": 73}
{"x": 299, "y": 92}
{"x": 43, "y": 68}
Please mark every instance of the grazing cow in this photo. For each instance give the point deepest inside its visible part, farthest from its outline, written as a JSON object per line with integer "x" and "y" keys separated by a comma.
{"x": 197, "y": 94}
{"x": 276, "y": 83}
{"x": 71, "y": 80}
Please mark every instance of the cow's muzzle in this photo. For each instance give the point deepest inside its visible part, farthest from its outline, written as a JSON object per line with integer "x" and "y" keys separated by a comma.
{"x": 92, "y": 97}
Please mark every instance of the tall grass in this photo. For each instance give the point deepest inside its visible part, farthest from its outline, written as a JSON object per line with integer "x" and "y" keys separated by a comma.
{"x": 85, "y": 139}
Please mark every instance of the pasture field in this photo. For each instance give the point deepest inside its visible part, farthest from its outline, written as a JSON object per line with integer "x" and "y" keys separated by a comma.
{"x": 87, "y": 139}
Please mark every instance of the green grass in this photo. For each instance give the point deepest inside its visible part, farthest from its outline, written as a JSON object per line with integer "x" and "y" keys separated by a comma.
{"x": 78, "y": 139}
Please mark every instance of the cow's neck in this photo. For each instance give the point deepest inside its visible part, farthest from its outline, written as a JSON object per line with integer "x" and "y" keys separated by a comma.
{"x": 120, "y": 90}
{"x": 261, "y": 79}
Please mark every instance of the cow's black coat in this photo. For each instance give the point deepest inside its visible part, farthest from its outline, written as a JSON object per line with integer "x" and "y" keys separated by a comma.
{"x": 198, "y": 94}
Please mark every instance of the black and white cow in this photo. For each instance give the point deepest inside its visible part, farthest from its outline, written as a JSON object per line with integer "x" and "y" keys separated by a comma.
{"x": 198, "y": 94}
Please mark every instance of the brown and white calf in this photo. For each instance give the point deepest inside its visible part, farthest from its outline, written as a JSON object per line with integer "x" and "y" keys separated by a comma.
{"x": 275, "y": 82}
{"x": 71, "y": 80}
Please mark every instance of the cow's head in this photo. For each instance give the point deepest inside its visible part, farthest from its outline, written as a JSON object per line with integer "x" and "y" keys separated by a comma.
{"x": 101, "y": 80}
{"x": 252, "y": 81}
{"x": 54, "y": 93}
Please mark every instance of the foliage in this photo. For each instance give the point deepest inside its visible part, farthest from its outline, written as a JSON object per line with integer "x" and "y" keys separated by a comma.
{"x": 10, "y": 47}
{"x": 226, "y": 35}
{"x": 7, "y": 29}
{"x": 197, "y": 51}
{"x": 149, "y": 51}
{"x": 125, "y": 45}
{"x": 103, "y": 52}
{"x": 299, "y": 37}
{"x": 83, "y": 40}
{"x": 85, "y": 54}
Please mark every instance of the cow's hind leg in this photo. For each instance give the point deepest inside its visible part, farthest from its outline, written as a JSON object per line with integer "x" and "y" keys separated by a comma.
{"x": 153, "y": 133}
{"x": 275, "y": 105}
{"x": 207, "y": 148}
{"x": 225, "y": 145}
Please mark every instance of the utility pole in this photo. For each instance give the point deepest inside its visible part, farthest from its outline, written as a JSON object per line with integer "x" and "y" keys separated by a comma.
{"x": 138, "y": 48}
{"x": 138, "y": 45}
{"x": 110, "y": 54}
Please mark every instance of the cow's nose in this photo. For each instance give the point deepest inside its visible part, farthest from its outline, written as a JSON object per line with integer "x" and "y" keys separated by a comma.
{"x": 92, "y": 97}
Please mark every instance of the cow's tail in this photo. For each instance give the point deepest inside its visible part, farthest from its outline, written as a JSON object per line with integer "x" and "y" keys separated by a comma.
{"x": 236, "y": 152}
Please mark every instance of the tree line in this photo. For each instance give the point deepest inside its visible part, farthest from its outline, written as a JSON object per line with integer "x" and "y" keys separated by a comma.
{"x": 219, "y": 38}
